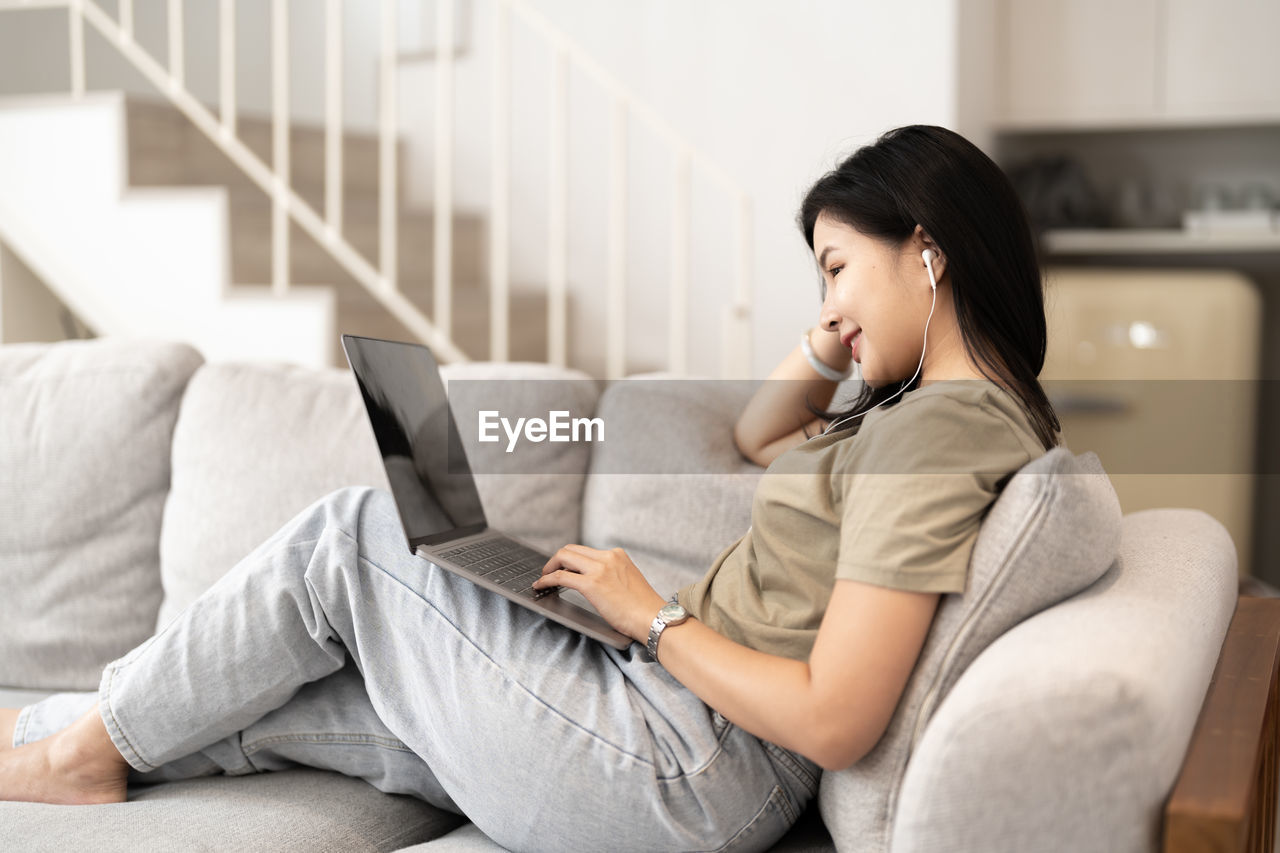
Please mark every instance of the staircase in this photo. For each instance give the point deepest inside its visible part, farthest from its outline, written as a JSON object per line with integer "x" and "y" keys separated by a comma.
{"x": 201, "y": 273}
{"x": 146, "y": 218}
{"x": 165, "y": 149}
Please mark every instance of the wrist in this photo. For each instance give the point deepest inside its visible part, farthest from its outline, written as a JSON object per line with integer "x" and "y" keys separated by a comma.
{"x": 827, "y": 347}
{"x": 832, "y": 368}
{"x": 671, "y": 615}
{"x": 645, "y": 615}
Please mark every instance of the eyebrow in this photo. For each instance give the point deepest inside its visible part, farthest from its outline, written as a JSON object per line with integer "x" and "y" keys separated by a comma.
{"x": 822, "y": 260}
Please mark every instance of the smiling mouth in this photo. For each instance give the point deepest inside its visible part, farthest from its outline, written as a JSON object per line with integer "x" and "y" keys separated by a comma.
{"x": 848, "y": 340}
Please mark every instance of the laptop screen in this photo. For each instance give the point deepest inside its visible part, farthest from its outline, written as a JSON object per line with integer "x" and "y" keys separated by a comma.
{"x": 409, "y": 412}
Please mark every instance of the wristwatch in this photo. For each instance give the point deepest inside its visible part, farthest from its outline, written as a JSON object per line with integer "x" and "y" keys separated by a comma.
{"x": 670, "y": 614}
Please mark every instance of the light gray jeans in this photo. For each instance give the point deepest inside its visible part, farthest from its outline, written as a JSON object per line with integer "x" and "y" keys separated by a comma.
{"x": 332, "y": 646}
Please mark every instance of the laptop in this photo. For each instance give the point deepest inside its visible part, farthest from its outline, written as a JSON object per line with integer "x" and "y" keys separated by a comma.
{"x": 440, "y": 509}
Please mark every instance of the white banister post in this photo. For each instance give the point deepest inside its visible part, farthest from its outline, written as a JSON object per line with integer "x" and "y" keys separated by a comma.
{"x": 558, "y": 215}
{"x": 500, "y": 190}
{"x": 333, "y": 131}
{"x": 75, "y": 23}
{"x": 442, "y": 267}
{"x": 2, "y": 294}
{"x": 678, "y": 317}
{"x": 177, "y": 58}
{"x": 280, "y": 146}
{"x": 736, "y": 349}
{"x": 616, "y": 344}
{"x": 388, "y": 205}
{"x": 227, "y": 65}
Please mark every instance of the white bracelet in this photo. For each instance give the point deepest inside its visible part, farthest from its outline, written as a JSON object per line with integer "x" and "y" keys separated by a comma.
{"x": 825, "y": 370}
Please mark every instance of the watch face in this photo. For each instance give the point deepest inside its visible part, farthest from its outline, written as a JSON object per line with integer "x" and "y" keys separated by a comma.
{"x": 672, "y": 613}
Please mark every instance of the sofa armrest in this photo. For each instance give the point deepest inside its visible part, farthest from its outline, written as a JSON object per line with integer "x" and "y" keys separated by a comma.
{"x": 1225, "y": 795}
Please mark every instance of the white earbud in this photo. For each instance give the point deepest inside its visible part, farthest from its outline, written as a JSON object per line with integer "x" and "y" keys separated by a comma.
{"x": 929, "y": 255}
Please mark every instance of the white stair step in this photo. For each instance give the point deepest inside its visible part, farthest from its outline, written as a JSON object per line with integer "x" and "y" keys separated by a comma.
{"x": 149, "y": 261}
{"x": 362, "y": 315}
{"x": 253, "y": 322}
{"x": 251, "y": 245}
{"x": 166, "y": 148}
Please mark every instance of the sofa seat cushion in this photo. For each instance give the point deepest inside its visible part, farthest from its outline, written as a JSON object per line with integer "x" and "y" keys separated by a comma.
{"x": 669, "y": 485}
{"x": 257, "y": 443}
{"x": 1069, "y": 731}
{"x": 85, "y": 431}
{"x": 807, "y": 836}
{"x": 303, "y": 809}
{"x": 1054, "y": 530}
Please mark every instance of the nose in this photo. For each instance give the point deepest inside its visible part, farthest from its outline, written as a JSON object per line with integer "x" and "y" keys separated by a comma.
{"x": 829, "y": 318}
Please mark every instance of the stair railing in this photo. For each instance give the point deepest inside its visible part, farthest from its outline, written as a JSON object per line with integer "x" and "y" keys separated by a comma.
{"x": 382, "y": 281}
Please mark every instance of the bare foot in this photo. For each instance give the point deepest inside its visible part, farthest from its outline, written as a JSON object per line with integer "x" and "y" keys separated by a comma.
{"x": 79, "y": 764}
{"x": 8, "y": 719}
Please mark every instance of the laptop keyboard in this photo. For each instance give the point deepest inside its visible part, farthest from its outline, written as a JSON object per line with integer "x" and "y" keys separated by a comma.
{"x": 506, "y": 563}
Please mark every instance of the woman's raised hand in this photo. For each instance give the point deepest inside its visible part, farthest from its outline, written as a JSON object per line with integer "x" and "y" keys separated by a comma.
{"x": 610, "y": 581}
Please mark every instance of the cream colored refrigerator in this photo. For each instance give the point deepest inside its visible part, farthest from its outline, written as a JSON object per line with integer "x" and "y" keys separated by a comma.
{"x": 1156, "y": 371}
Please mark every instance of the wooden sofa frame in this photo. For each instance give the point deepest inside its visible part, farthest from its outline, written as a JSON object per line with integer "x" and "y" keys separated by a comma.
{"x": 1225, "y": 796}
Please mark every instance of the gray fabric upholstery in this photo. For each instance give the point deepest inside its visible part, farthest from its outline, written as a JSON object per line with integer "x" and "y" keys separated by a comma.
{"x": 535, "y": 493}
{"x": 12, "y": 698}
{"x": 255, "y": 444}
{"x": 673, "y": 526}
{"x": 807, "y": 836}
{"x": 1053, "y": 531}
{"x": 85, "y": 430}
{"x": 300, "y": 809}
{"x": 1069, "y": 731}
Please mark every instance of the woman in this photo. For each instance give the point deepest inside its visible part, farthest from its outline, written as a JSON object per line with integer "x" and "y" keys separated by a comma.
{"x": 331, "y": 646}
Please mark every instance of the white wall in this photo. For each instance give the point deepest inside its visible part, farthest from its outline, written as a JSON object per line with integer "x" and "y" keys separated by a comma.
{"x": 776, "y": 91}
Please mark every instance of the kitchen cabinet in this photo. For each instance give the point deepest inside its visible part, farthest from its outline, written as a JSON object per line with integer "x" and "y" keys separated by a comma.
{"x": 1221, "y": 60}
{"x": 1137, "y": 63}
{"x": 1078, "y": 61}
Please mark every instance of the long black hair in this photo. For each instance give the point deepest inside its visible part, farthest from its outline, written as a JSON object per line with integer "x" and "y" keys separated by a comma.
{"x": 934, "y": 177}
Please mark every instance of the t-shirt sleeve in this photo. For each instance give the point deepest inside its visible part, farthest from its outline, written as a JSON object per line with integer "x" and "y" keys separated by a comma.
{"x": 911, "y": 509}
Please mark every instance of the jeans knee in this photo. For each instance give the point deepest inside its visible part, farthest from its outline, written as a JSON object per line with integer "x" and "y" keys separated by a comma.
{"x": 349, "y": 502}
{"x": 349, "y": 509}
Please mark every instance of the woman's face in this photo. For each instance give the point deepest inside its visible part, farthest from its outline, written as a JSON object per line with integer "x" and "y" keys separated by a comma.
{"x": 878, "y": 296}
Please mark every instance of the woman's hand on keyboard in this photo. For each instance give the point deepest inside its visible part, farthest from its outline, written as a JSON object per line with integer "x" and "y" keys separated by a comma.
{"x": 610, "y": 581}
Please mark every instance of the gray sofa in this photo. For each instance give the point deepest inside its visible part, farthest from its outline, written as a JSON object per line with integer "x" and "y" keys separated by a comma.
{"x": 1051, "y": 708}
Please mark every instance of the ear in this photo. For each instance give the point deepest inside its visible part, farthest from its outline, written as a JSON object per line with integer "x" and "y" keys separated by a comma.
{"x": 923, "y": 241}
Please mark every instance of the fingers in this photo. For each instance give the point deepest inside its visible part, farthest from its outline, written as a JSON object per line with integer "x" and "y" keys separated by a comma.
{"x": 559, "y": 577}
{"x": 575, "y": 557}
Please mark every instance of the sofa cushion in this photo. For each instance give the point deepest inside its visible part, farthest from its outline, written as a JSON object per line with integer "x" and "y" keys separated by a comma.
{"x": 301, "y": 809}
{"x": 85, "y": 432}
{"x": 257, "y": 443}
{"x": 1069, "y": 731}
{"x": 1052, "y": 532}
{"x": 808, "y": 835}
{"x": 670, "y": 452}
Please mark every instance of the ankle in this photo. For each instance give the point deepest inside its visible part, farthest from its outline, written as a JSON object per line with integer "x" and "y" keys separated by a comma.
{"x": 8, "y": 721}
{"x": 85, "y": 742}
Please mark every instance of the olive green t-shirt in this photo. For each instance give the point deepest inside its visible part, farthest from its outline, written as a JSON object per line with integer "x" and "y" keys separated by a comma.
{"x": 895, "y": 500}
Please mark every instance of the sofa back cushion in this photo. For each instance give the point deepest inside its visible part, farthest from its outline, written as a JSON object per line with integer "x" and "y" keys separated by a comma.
{"x": 257, "y": 443}
{"x": 1054, "y": 530}
{"x": 669, "y": 485}
{"x": 1082, "y": 714}
{"x": 85, "y": 431}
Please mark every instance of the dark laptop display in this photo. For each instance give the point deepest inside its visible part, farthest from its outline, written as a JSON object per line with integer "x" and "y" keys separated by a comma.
{"x": 435, "y": 492}
{"x": 417, "y": 437}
